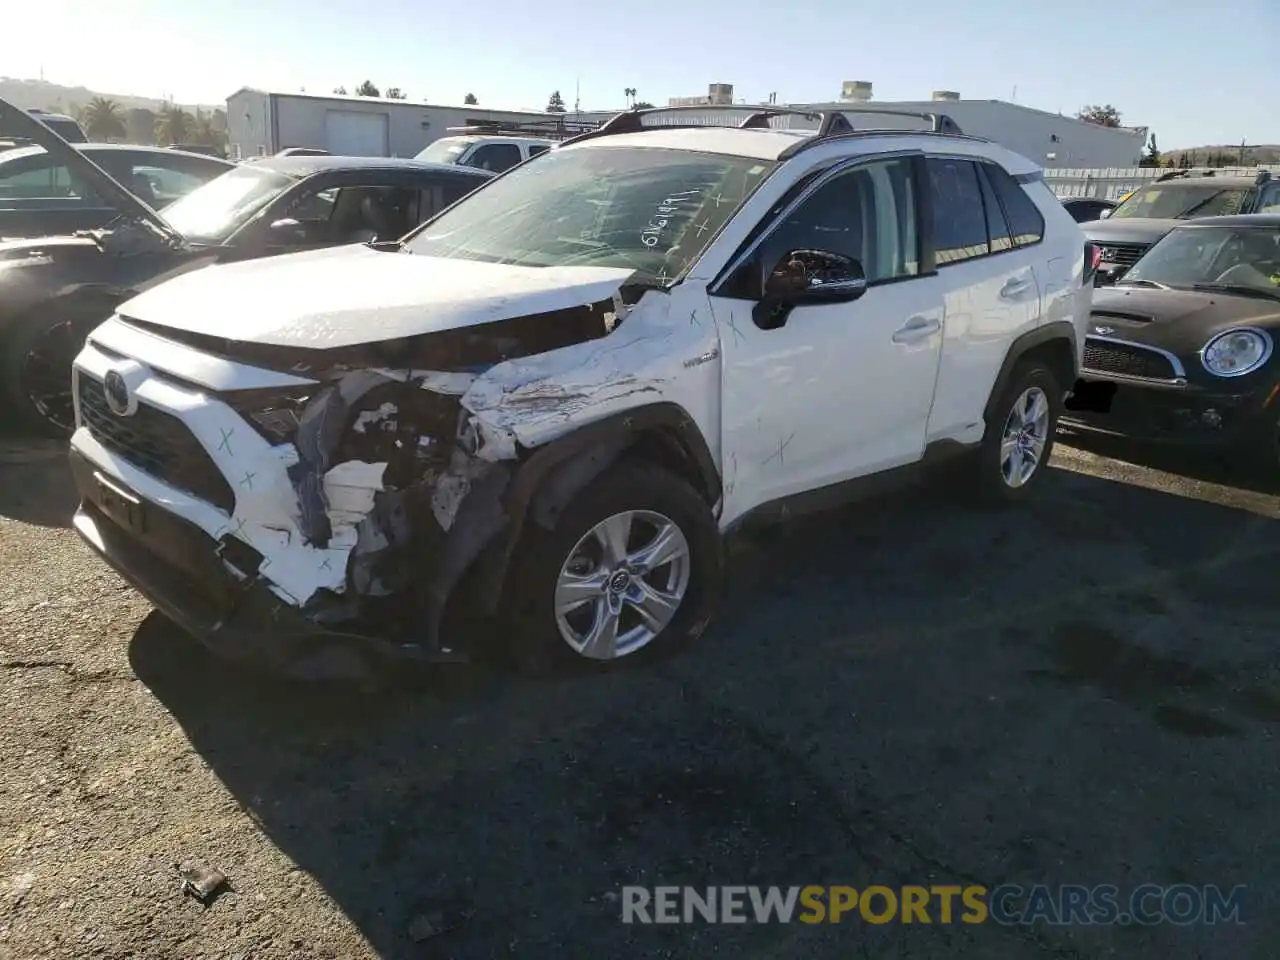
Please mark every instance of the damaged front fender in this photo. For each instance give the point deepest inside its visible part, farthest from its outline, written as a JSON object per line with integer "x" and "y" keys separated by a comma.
{"x": 402, "y": 477}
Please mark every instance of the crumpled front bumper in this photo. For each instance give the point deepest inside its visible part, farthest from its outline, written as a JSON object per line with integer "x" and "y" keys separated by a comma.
{"x": 179, "y": 568}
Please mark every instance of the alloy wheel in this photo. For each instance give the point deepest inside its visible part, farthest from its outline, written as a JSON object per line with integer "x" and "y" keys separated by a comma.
{"x": 1025, "y": 435}
{"x": 622, "y": 584}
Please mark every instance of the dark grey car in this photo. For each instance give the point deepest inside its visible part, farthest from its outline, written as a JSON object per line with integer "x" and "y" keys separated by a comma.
{"x": 55, "y": 289}
{"x": 41, "y": 195}
{"x": 1152, "y": 211}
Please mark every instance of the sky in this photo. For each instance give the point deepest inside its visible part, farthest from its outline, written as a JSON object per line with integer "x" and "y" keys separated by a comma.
{"x": 1195, "y": 73}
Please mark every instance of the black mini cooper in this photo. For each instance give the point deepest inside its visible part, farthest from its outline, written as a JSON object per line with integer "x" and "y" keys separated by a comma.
{"x": 1182, "y": 348}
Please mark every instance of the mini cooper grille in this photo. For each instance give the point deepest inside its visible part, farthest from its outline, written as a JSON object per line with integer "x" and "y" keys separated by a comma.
{"x": 1129, "y": 361}
{"x": 1125, "y": 254}
{"x": 155, "y": 442}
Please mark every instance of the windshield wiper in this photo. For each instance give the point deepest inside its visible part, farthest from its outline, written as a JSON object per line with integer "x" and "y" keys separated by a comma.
{"x": 1240, "y": 288}
{"x": 1142, "y": 283}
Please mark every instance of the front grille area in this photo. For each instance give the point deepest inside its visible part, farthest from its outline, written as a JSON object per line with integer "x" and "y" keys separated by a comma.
{"x": 1126, "y": 360}
{"x": 155, "y": 442}
{"x": 1124, "y": 254}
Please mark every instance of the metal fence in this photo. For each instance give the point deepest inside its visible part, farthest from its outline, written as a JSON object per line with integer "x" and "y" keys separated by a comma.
{"x": 1111, "y": 183}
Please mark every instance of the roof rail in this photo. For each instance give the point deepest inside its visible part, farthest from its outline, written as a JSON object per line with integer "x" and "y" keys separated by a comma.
{"x": 830, "y": 122}
{"x": 556, "y": 126}
{"x": 837, "y": 121}
{"x": 1172, "y": 175}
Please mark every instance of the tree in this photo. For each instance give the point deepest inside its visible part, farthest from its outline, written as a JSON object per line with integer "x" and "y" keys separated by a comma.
{"x": 340, "y": 91}
{"x": 628, "y": 93}
{"x": 172, "y": 125}
{"x": 103, "y": 119}
{"x": 367, "y": 89}
{"x": 470, "y": 100}
{"x": 1104, "y": 116}
{"x": 204, "y": 130}
{"x": 556, "y": 103}
{"x": 643, "y": 105}
{"x": 395, "y": 93}
{"x": 1152, "y": 157}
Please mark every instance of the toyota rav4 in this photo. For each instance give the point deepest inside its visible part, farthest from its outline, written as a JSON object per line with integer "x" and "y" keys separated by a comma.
{"x": 555, "y": 397}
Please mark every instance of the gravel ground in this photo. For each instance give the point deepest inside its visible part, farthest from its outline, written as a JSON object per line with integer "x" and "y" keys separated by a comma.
{"x": 1082, "y": 692}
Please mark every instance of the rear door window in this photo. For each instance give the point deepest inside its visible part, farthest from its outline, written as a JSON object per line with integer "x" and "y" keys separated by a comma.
{"x": 959, "y": 216}
{"x": 997, "y": 226}
{"x": 42, "y": 178}
{"x": 495, "y": 156}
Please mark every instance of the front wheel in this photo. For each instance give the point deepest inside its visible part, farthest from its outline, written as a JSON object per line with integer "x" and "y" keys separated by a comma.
{"x": 630, "y": 572}
{"x": 1019, "y": 439}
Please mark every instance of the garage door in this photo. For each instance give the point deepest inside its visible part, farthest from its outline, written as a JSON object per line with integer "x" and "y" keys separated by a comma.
{"x": 349, "y": 133}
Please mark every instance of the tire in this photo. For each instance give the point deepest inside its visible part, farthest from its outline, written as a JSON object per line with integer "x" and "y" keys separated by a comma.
{"x": 33, "y": 331}
{"x": 650, "y": 498}
{"x": 998, "y": 481}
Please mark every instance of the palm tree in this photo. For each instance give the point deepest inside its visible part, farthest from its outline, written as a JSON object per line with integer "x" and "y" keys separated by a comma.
{"x": 103, "y": 119}
{"x": 203, "y": 131}
{"x": 172, "y": 125}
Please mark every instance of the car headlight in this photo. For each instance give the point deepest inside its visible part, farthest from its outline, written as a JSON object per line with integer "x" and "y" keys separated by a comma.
{"x": 1236, "y": 352}
{"x": 273, "y": 412}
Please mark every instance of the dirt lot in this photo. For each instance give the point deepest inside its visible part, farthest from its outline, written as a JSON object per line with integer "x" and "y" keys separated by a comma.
{"x": 1085, "y": 692}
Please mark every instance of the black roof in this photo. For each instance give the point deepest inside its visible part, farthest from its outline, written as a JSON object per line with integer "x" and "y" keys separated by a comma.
{"x": 308, "y": 166}
{"x": 1271, "y": 220}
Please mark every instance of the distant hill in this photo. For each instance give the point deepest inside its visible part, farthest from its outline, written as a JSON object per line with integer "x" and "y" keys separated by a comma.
{"x": 39, "y": 95}
{"x": 1257, "y": 153}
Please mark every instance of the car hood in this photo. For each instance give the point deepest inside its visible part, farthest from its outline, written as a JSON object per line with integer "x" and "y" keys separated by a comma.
{"x": 19, "y": 123}
{"x": 1127, "y": 230}
{"x": 348, "y": 296}
{"x": 1176, "y": 320}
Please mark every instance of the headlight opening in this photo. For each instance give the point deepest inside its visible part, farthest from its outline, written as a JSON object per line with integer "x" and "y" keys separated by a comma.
{"x": 1234, "y": 353}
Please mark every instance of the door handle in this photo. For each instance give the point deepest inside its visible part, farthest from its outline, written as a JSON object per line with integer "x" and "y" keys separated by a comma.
{"x": 1015, "y": 287}
{"x": 917, "y": 328}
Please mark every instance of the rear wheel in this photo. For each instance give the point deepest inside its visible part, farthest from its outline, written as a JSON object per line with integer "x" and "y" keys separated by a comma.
{"x": 630, "y": 572}
{"x": 1015, "y": 452}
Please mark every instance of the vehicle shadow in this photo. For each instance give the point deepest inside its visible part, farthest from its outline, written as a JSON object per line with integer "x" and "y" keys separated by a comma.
{"x": 1224, "y": 467}
{"x": 505, "y": 814}
{"x": 35, "y": 482}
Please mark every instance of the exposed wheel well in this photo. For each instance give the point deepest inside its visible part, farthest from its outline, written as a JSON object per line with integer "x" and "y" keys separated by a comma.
{"x": 664, "y": 447}
{"x": 1059, "y": 356}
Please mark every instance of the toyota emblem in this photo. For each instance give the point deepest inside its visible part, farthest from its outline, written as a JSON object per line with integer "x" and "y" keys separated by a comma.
{"x": 117, "y": 393}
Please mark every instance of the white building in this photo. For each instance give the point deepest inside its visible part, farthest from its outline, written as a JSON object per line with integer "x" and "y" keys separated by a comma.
{"x": 1049, "y": 139}
{"x": 260, "y": 122}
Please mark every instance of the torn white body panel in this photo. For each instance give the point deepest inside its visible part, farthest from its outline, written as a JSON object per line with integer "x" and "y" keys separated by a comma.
{"x": 666, "y": 349}
{"x": 345, "y": 296}
{"x": 266, "y": 504}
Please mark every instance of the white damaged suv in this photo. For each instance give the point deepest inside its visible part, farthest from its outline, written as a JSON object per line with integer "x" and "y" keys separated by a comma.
{"x": 561, "y": 392}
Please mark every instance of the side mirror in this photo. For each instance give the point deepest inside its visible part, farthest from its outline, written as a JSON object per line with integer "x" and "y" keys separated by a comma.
{"x": 1103, "y": 214}
{"x": 288, "y": 230}
{"x": 806, "y": 278}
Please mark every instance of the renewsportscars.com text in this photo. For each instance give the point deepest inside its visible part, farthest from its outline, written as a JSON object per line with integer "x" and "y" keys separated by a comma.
{"x": 1008, "y": 904}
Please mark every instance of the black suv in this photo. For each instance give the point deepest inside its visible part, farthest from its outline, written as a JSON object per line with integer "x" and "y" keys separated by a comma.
{"x": 1152, "y": 211}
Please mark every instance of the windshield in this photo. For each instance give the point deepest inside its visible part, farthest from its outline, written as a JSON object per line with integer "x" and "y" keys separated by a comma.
{"x": 444, "y": 151}
{"x": 647, "y": 209}
{"x": 211, "y": 213}
{"x": 1181, "y": 200}
{"x": 1241, "y": 257}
